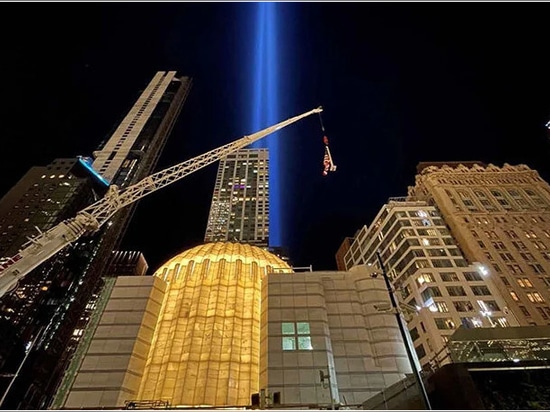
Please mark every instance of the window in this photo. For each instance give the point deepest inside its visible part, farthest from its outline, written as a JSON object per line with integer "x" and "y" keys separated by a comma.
{"x": 536, "y": 268}
{"x": 519, "y": 245}
{"x": 463, "y": 306}
{"x": 511, "y": 234}
{"x": 444, "y": 323}
{"x": 499, "y": 245}
{"x": 488, "y": 305}
{"x": 296, "y": 336}
{"x": 425, "y": 278}
{"x": 542, "y": 313}
{"x": 430, "y": 293}
{"x": 524, "y": 283}
{"x": 442, "y": 263}
{"x": 472, "y": 276}
{"x": 449, "y": 277}
{"x": 535, "y": 297}
{"x": 420, "y": 351}
{"x": 414, "y": 334}
{"x": 439, "y": 307}
{"x": 524, "y": 311}
{"x": 514, "y": 296}
{"x": 529, "y": 234}
{"x": 437, "y": 252}
{"x": 480, "y": 290}
{"x": 456, "y": 291}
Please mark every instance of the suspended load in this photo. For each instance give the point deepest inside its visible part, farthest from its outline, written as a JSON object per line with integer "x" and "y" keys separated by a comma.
{"x": 328, "y": 164}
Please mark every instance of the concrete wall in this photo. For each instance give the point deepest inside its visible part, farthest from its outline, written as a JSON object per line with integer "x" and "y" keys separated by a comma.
{"x": 358, "y": 346}
{"x": 112, "y": 368}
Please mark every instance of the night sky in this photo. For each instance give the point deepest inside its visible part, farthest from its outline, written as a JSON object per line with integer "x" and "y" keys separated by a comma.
{"x": 400, "y": 83}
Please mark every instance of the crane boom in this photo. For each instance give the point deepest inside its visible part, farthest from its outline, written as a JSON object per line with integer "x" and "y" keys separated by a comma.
{"x": 90, "y": 219}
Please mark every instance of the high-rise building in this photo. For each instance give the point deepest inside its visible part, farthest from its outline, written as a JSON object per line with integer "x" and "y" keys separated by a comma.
{"x": 43, "y": 197}
{"x": 500, "y": 217}
{"x": 240, "y": 202}
{"x": 133, "y": 149}
{"x": 439, "y": 288}
{"x": 341, "y": 253}
{"x": 222, "y": 323}
{"x": 129, "y": 155}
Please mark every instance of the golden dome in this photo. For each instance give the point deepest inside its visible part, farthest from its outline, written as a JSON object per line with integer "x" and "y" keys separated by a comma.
{"x": 230, "y": 252}
{"x": 205, "y": 348}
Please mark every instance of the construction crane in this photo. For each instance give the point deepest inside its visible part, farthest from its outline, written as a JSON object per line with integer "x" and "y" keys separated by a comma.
{"x": 89, "y": 220}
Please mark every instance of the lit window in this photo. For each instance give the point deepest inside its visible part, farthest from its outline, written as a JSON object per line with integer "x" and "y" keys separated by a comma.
{"x": 425, "y": 278}
{"x": 289, "y": 343}
{"x": 296, "y": 336}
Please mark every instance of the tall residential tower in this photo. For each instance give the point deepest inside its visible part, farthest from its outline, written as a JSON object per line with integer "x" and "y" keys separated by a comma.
{"x": 50, "y": 304}
{"x": 240, "y": 203}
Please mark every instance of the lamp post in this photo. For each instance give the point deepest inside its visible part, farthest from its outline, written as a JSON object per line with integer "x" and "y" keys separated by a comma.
{"x": 403, "y": 332}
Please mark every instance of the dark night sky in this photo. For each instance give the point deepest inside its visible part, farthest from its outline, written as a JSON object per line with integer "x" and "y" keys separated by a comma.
{"x": 400, "y": 83}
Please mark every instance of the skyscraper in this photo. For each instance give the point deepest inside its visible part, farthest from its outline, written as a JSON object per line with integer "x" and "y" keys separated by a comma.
{"x": 240, "y": 202}
{"x": 500, "y": 217}
{"x": 42, "y": 197}
{"x": 128, "y": 156}
{"x": 439, "y": 288}
{"x": 133, "y": 150}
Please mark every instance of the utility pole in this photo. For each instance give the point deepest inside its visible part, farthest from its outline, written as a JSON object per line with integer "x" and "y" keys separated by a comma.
{"x": 403, "y": 332}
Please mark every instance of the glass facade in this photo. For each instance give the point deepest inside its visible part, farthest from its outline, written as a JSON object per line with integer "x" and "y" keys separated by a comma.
{"x": 520, "y": 344}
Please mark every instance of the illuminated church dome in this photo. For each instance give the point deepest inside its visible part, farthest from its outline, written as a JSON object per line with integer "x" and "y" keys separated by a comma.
{"x": 206, "y": 345}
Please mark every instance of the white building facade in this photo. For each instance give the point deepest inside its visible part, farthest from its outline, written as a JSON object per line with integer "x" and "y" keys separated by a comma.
{"x": 438, "y": 288}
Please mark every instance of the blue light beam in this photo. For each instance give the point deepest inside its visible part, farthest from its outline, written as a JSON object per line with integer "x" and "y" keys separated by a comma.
{"x": 266, "y": 107}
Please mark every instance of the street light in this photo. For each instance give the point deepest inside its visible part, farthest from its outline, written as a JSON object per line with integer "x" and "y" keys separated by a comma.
{"x": 403, "y": 332}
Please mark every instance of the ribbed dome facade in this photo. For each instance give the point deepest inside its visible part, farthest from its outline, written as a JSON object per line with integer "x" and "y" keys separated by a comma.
{"x": 206, "y": 344}
{"x": 229, "y": 252}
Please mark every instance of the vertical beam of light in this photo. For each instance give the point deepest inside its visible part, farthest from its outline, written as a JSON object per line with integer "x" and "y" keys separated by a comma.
{"x": 265, "y": 107}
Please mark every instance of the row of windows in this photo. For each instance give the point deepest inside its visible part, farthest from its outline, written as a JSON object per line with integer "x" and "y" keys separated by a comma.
{"x": 435, "y": 291}
{"x": 508, "y": 199}
{"x": 465, "y": 306}
{"x": 534, "y": 297}
{"x": 448, "y": 277}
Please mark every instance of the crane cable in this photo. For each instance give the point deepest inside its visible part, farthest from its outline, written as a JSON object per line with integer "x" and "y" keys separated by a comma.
{"x": 321, "y": 121}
